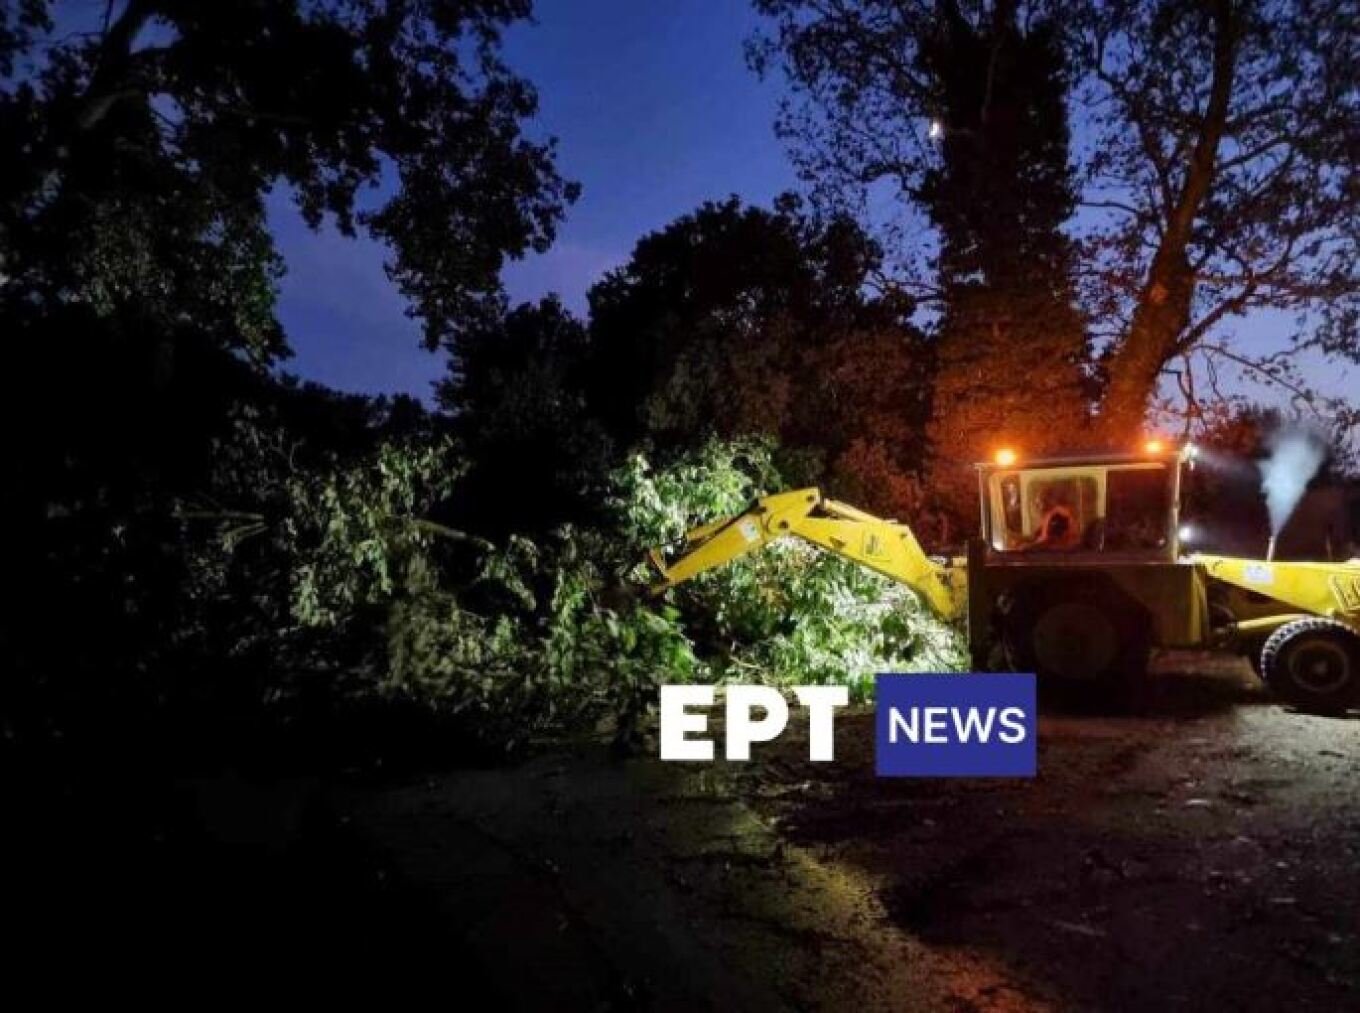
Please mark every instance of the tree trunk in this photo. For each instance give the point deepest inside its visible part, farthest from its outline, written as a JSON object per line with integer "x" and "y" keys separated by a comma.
{"x": 1135, "y": 367}
{"x": 1163, "y": 313}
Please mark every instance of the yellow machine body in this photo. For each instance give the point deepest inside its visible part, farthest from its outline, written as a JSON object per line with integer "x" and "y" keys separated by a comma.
{"x": 1280, "y": 589}
{"x": 1124, "y": 553}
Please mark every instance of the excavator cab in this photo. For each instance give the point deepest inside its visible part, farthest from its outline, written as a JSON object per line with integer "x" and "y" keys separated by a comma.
{"x": 1076, "y": 571}
{"x": 1126, "y": 505}
{"x": 1088, "y": 601}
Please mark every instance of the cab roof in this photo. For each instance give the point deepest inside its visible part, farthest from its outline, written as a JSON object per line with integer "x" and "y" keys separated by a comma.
{"x": 1169, "y": 456}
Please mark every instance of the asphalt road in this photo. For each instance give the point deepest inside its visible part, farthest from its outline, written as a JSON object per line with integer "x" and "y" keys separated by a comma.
{"x": 1199, "y": 851}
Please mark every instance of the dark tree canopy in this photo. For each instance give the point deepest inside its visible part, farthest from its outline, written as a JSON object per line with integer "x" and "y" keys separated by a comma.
{"x": 1224, "y": 155}
{"x": 138, "y": 275}
{"x": 732, "y": 321}
{"x": 1217, "y": 162}
{"x": 1011, "y": 343}
{"x": 134, "y": 246}
{"x": 703, "y": 325}
{"x": 737, "y": 320}
{"x": 145, "y": 149}
{"x": 516, "y": 393}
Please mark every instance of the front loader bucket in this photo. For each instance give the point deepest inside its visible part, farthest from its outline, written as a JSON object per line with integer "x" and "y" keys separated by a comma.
{"x": 1330, "y": 590}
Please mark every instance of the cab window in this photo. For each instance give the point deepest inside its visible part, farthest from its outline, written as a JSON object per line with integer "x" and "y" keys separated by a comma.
{"x": 1012, "y": 506}
{"x": 1061, "y": 511}
{"x": 1138, "y": 503}
{"x": 1042, "y": 513}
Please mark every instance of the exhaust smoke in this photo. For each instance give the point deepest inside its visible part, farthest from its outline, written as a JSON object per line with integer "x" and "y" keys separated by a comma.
{"x": 1296, "y": 454}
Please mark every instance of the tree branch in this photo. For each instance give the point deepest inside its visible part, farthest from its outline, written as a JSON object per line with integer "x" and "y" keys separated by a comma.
{"x": 1260, "y": 369}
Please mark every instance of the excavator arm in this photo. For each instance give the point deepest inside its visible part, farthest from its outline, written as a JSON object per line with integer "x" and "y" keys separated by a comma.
{"x": 881, "y": 545}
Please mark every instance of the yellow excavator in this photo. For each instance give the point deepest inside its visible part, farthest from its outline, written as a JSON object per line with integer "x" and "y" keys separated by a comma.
{"x": 1077, "y": 574}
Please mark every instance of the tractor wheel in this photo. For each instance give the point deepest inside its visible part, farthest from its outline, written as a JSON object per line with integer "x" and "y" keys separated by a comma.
{"x": 1314, "y": 664}
{"x": 1079, "y": 633}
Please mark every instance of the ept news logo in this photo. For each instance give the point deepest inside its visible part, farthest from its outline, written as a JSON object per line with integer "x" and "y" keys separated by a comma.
{"x": 976, "y": 725}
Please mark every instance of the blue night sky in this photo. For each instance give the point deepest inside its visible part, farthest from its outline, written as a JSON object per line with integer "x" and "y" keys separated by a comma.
{"x": 655, "y": 112}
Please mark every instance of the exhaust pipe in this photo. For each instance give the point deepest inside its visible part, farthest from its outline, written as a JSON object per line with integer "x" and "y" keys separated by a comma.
{"x": 1270, "y": 549}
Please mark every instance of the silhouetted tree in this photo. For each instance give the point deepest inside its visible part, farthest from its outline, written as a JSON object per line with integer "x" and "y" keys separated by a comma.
{"x": 1012, "y": 345}
{"x": 736, "y": 320}
{"x": 145, "y": 149}
{"x": 138, "y": 275}
{"x": 1218, "y": 164}
{"x": 1223, "y": 154}
{"x": 516, "y": 391}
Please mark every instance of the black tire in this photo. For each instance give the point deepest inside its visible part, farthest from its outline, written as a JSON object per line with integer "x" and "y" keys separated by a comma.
{"x": 1314, "y": 664}
{"x": 1077, "y": 633}
{"x": 1254, "y": 660}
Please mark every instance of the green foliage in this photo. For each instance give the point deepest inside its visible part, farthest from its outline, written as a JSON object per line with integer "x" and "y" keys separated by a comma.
{"x": 797, "y": 616}
{"x": 341, "y": 535}
{"x": 509, "y": 639}
{"x": 558, "y": 658}
{"x": 717, "y": 479}
{"x": 358, "y": 597}
{"x": 360, "y": 526}
{"x": 147, "y": 144}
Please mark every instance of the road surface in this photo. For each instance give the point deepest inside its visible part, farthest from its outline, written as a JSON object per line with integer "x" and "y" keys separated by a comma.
{"x": 1200, "y": 852}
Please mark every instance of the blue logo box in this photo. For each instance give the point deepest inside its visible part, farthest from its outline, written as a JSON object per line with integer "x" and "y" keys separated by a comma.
{"x": 956, "y": 725}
